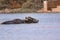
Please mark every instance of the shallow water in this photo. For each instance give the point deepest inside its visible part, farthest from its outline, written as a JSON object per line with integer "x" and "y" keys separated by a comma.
{"x": 48, "y": 27}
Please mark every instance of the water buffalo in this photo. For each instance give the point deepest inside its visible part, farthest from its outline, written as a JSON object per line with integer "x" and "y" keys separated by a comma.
{"x": 19, "y": 21}
{"x": 31, "y": 20}
{"x": 15, "y": 21}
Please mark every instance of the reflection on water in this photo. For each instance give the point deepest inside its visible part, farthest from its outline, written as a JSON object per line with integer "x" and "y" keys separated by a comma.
{"x": 48, "y": 27}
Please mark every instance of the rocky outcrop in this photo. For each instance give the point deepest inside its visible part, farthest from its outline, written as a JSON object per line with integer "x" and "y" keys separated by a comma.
{"x": 53, "y": 4}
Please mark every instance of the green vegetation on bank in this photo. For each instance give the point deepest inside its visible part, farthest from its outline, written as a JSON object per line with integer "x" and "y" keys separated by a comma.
{"x": 28, "y": 5}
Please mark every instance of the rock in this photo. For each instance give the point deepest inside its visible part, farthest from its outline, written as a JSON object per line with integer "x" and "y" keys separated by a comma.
{"x": 19, "y": 21}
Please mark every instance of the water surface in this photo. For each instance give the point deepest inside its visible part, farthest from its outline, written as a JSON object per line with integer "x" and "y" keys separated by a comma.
{"x": 48, "y": 27}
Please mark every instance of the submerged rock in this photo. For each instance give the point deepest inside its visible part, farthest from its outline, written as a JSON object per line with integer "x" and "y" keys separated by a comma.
{"x": 20, "y": 21}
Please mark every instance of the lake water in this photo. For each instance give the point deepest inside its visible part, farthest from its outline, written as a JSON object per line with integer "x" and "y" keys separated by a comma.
{"x": 48, "y": 27}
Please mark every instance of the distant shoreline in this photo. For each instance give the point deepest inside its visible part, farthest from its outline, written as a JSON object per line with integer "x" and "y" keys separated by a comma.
{"x": 10, "y": 11}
